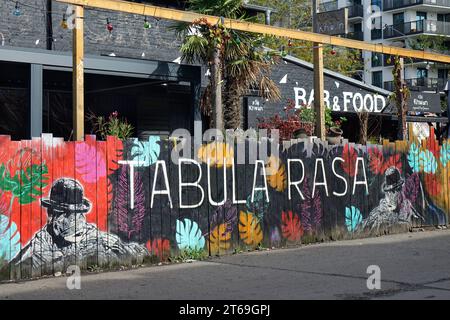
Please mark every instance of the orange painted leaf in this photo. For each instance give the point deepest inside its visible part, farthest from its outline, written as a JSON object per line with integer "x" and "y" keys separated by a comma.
{"x": 250, "y": 230}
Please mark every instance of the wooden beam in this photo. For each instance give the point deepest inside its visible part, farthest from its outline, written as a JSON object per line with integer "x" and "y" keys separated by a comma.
{"x": 78, "y": 75}
{"x": 319, "y": 103}
{"x": 187, "y": 16}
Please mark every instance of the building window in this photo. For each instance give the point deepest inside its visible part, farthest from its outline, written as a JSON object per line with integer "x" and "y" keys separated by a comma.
{"x": 377, "y": 79}
{"x": 422, "y": 73}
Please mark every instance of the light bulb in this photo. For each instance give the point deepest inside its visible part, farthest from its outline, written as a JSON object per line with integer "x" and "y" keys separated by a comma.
{"x": 147, "y": 24}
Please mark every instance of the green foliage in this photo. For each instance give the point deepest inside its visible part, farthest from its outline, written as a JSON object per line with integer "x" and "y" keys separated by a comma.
{"x": 296, "y": 14}
{"x": 309, "y": 115}
{"x": 429, "y": 43}
{"x": 26, "y": 185}
{"x": 190, "y": 254}
{"x": 112, "y": 126}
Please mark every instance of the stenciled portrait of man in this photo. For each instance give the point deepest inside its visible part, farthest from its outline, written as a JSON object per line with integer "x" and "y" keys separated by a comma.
{"x": 67, "y": 236}
{"x": 394, "y": 208}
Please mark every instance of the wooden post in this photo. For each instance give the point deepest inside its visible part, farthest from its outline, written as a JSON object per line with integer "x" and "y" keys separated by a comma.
{"x": 78, "y": 75}
{"x": 319, "y": 105}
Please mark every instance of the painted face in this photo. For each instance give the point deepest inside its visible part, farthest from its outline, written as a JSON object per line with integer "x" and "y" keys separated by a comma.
{"x": 69, "y": 225}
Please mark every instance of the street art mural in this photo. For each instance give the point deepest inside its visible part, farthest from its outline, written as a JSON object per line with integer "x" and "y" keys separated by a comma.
{"x": 117, "y": 202}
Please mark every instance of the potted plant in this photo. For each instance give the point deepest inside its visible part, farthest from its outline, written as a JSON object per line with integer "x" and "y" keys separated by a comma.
{"x": 334, "y": 131}
{"x": 294, "y": 123}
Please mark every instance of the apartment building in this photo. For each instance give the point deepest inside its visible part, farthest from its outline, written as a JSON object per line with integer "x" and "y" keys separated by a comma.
{"x": 402, "y": 23}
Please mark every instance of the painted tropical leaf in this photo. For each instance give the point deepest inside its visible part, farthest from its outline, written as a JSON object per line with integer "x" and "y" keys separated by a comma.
{"x": 411, "y": 187}
{"x": 413, "y": 157}
{"x": 219, "y": 239}
{"x": 310, "y": 209}
{"x": 353, "y": 218}
{"x": 427, "y": 161}
{"x": 276, "y": 174}
{"x": 121, "y": 202}
{"x": 376, "y": 160}
{"x": 159, "y": 247}
{"x": 445, "y": 154}
{"x": 217, "y": 153}
{"x": 9, "y": 239}
{"x": 392, "y": 161}
{"x": 250, "y": 230}
{"x": 189, "y": 235}
{"x": 123, "y": 208}
{"x": 291, "y": 226}
{"x": 259, "y": 206}
{"x": 349, "y": 155}
{"x": 433, "y": 185}
{"x": 89, "y": 170}
{"x": 227, "y": 213}
{"x": 114, "y": 150}
{"x": 275, "y": 237}
{"x": 146, "y": 152}
{"x": 26, "y": 185}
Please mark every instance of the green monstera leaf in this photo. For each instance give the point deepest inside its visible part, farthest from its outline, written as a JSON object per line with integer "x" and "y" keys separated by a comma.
{"x": 26, "y": 185}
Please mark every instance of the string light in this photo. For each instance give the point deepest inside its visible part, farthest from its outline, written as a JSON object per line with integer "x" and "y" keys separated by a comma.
{"x": 17, "y": 11}
{"x": 147, "y": 24}
{"x": 64, "y": 22}
{"x": 333, "y": 51}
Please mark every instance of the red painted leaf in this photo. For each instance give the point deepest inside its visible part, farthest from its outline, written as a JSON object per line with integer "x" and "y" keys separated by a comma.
{"x": 376, "y": 160}
{"x": 291, "y": 227}
{"x": 349, "y": 155}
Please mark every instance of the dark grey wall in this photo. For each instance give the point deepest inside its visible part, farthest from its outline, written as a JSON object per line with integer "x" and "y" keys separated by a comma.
{"x": 302, "y": 78}
{"x": 128, "y": 38}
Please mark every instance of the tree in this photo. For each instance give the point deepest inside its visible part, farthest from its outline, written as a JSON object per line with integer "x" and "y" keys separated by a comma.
{"x": 237, "y": 60}
{"x": 400, "y": 97}
{"x": 297, "y": 14}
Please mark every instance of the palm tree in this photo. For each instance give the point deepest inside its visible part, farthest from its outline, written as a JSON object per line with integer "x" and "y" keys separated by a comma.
{"x": 237, "y": 61}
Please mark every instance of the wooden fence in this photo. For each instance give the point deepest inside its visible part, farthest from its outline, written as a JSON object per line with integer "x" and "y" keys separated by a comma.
{"x": 119, "y": 202}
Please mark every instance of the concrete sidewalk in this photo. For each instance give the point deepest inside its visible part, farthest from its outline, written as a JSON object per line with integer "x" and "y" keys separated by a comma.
{"x": 413, "y": 266}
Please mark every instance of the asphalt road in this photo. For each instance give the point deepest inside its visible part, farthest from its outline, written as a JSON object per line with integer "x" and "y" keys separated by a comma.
{"x": 413, "y": 266}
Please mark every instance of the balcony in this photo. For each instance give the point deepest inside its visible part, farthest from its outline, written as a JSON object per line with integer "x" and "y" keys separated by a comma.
{"x": 357, "y": 35}
{"x": 417, "y": 27}
{"x": 399, "y": 4}
{"x": 356, "y": 11}
{"x": 420, "y": 84}
{"x": 376, "y": 34}
{"x": 328, "y": 6}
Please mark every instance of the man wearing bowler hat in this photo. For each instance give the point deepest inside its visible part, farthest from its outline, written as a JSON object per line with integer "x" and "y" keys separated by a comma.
{"x": 68, "y": 237}
{"x": 394, "y": 208}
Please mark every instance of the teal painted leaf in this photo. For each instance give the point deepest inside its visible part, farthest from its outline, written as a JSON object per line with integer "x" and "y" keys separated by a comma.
{"x": 427, "y": 161}
{"x": 445, "y": 154}
{"x": 259, "y": 206}
{"x": 9, "y": 239}
{"x": 189, "y": 235}
{"x": 413, "y": 157}
{"x": 353, "y": 218}
{"x": 146, "y": 152}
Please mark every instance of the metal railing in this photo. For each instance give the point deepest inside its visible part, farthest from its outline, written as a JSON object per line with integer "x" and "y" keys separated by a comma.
{"x": 357, "y": 35}
{"x": 355, "y": 11}
{"x": 376, "y": 34}
{"x": 416, "y": 27}
{"x": 397, "y": 4}
{"x": 420, "y": 84}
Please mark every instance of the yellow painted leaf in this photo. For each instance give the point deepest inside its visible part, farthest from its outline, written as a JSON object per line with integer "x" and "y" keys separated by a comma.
{"x": 276, "y": 173}
{"x": 249, "y": 229}
{"x": 217, "y": 153}
{"x": 219, "y": 239}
